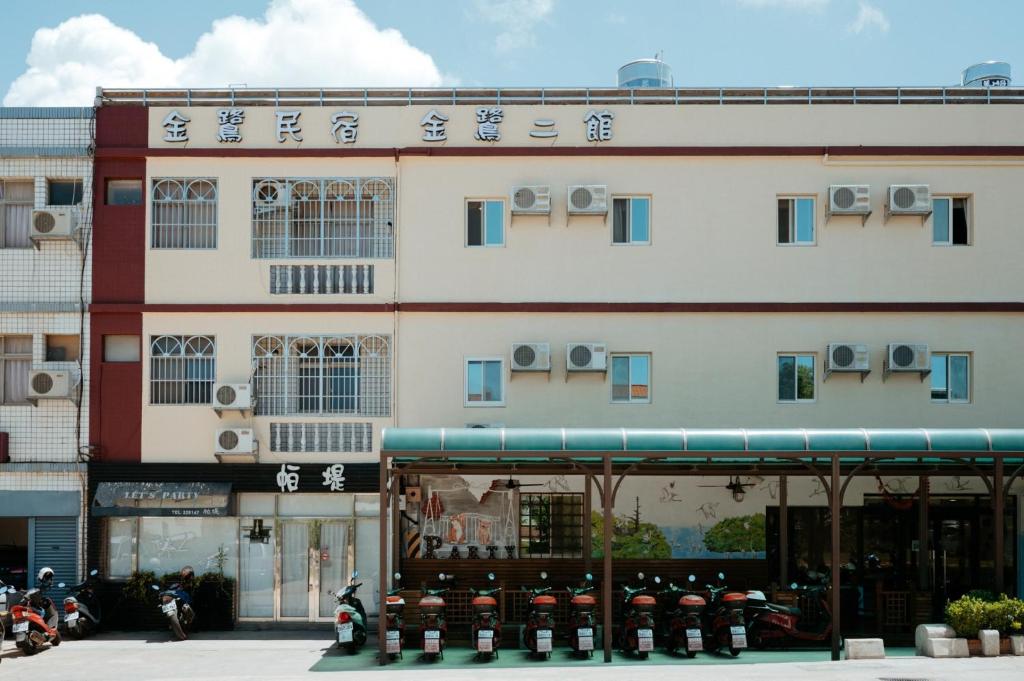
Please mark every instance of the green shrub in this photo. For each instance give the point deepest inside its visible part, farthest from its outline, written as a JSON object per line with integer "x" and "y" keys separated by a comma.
{"x": 971, "y": 614}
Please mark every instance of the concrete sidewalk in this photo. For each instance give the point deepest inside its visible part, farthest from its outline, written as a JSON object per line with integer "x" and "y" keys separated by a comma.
{"x": 287, "y": 655}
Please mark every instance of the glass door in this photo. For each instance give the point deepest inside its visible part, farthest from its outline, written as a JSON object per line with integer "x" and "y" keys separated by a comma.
{"x": 333, "y": 564}
{"x": 256, "y": 571}
{"x": 296, "y": 558}
{"x": 954, "y": 557}
{"x": 314, "y": 561}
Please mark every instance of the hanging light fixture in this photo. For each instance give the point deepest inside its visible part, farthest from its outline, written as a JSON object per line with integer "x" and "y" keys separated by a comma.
{"x": 259, "y": 534}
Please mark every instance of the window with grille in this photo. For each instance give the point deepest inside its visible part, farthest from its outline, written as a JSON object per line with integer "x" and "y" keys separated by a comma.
{"x": 182, "y": 369}
{"x": 349, "y": 217}
{"x": 321, "y": 437}
{"x": 15, "y": 362}
{"x": 551, "y": 525}
{"x": 184, "y": 213}
{"x": 322, "y": 375}
{"x": 16, "y": 202}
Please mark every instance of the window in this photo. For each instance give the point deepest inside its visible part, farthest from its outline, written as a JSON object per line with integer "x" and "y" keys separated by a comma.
{"x": 550, "y": 525}
{"x": 347, "y": 217}
{"x": 951, "y": 377}
{"x": 949, "y": 221}
{"x": 16, "y": 203}
{"x": 184, "y": 213}
{"x": 631, "y": 220}
{"x": 182, "y": 369}
{"x": 122, "y": 348}
{"x": 322, "y": 375}
{"x": 124, "y": 192}
{"x": 485, "y": 223}
{"x": 631, "y": 378}
{"x": 796, "y": 221}
{"x": 63, "y": 192}
{"x": 15, "y": 362}
{"x": 796, "y": 378}
{"x": 485, "y": 382}
{"x": 62, "y": 348}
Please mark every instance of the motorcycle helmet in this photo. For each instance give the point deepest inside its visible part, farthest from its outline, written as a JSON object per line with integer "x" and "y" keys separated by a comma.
{"x": 187, "y": 572}
{"x": 45, "y": 574}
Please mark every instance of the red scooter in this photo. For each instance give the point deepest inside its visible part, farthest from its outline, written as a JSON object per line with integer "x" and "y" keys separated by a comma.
{"x": 636, "y": 633}
{"x": 684, "y": 626}
{"x": 540, "y": 622}
{"x": 433, "y": 627}
{"x": 486, "y": 624}
{"x": 723, "y": 619}
{"x": 774, "y": 624}
{"x": 581, "y": 618}
{"x": 395, "y": 632}
{"x": 34, "y": 619}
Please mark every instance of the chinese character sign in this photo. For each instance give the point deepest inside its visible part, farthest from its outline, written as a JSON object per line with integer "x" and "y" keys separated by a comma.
{"x": 228, "y": 122}
{"x": 487, "y": 120}
{"x": 334, "y": 477}
{"x": 288, "y": 478}
{"x": 175, "y": 127}
{"x": 288, "y": 125}
{"x": 599, "y": 125}
{"x": 434, "y": 126}
{"x": 345, "y": 127}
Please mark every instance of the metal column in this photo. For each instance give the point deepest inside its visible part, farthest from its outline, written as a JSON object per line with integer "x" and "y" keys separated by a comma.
{"x": 588, "y": 501}
{"x": 923, "y": 554}
{"x": 998, "y": 511}
{"x": 783, "y": 531}
{"x": 383, "y": 566}
{"x": 836, "y": 507}
{"x": 606, "y": 582}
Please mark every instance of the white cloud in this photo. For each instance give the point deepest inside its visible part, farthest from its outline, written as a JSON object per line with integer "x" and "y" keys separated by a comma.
{"x": 517, "y": 18}
{"x": 295, "y": 43}
{"x": 868, "y": 18}
{"x": 786, "y": 4}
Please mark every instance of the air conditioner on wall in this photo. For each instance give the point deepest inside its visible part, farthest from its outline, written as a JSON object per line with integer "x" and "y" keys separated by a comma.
{"x": 849, "y": 199}
{"x": 236, "y": 445}
{"x": 587, "y": 199}
{"x": 586, "y": 357}
{"x": 532, "y": 200}
{"x": 847, "y": 358}
{"x": 908, "y": 358}
{"x": 531, "y": 357}
{"x": 49, "y": 385}
{"x": 232, "y": 396}
{"x": 909, "y": 199}
{"x": 52, "y": 223}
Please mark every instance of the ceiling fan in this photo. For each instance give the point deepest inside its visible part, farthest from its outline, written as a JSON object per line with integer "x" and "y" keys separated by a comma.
{"x": 737, "y": 487}
{"x": 515, "y": 484}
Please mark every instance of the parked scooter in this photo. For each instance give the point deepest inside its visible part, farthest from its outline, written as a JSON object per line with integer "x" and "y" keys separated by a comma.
{"x": 9, "y": 597}
{"x": 774, "y": 624}
{"x": 34, "y": 618}
{"x": 176, "y": 604}
{"x": 723, "y": 619}
{"x": 82, "y": 607}
{"x": 683, "y": 610}
{"x": 350, "y": 617}
{"x": 636, "y": 633}
{"x": 395, "y": 626}
{"x": 486, "y": 623}
{"x": 581, "y": 617}
{"x": 540, "y": 620}
{"x": 433, "y": 626}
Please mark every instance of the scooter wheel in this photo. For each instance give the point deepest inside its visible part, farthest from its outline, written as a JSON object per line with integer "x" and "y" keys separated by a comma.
{"x": 55, "y": 641}
{"x": 735, "y": 652}
{"x": 547, "y": 655}
{"x": 642, "y": 655}
{"x": 691, "y": 654}
{"x": 27, "y": 647}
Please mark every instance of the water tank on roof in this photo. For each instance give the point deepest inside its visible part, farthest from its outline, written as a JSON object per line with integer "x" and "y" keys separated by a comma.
{"x": 986, "y": 74}
{"x": 645, "y": 73}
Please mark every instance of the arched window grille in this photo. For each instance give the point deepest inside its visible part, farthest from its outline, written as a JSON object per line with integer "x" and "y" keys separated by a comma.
{"x": 182, "y": 369}
{"x": 184, "y": 213}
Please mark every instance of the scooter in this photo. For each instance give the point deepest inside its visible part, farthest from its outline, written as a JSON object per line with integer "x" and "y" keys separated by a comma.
{"x": 774, "y": 624}
{"x": 350, "y": 617}
{"x": 684, "y": 615}
{"x": 486, "y": 623}
{"x": 176, "y": 605}
{"x": 636, "y": 633}
{"x": 581, "y": 617}
{"x": 395, "y": 628}
{"x": 34, "y": 618}
{"x": 540, "y": 621}
{"x": 9, "y": 597}
{"x": 723, "y": 619}
{"x": 82, "y": 607}
{"x": 433, "y": 626}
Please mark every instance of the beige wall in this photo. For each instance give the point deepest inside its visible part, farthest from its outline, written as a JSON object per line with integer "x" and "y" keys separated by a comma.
{"x": 708, "y": 370}
{"x": 186, "y": 434}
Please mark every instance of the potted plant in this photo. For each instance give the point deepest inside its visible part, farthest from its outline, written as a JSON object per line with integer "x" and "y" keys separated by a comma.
{"x": 979, "y": 610}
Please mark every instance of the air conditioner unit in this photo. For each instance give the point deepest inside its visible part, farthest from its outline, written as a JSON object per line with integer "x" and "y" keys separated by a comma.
{"x": 908, "y": 357}
{"x": 52, "y": 223}
{"x": 232, "y": 396}
{"x": 531, "y": 357}
{"x": 849, "y": 357}
{"x": 234, "y": 441}
{"x": 588, "y": 199}
{"x": 909, "y": 199}
{"x": 535, "y": 200}
{"x": 586, "y": 357}
{"x": 849, "y": 199}
{"x": 49, "y": 385}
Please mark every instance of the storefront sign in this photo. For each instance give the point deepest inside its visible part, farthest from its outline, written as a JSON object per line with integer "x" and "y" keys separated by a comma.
{"x": 288, "y": 478}
{"x": 162, "y": 498}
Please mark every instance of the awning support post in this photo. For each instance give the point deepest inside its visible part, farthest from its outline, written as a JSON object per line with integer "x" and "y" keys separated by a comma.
{"x": 588, "y": 500}
{"x": 783, "y": 532}
{"x": 382, "y": 658}
{"x": 606, "y": 581}
{"x": 998, "y": 511}
{"x": 923, "y": 553}
{"x": 836, "y": 507}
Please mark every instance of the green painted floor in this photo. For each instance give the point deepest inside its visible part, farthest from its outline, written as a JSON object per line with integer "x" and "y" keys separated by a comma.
{"x": 462, "y": 658}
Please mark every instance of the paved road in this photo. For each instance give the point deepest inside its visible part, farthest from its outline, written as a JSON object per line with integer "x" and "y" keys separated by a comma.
{"x": 285, "y": 656}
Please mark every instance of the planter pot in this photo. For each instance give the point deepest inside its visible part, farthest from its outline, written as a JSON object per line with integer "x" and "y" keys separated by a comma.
{"x": 974, "y": 646}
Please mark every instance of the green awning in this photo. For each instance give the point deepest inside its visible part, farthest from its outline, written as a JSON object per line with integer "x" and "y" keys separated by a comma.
{"x": 906, "y": 441}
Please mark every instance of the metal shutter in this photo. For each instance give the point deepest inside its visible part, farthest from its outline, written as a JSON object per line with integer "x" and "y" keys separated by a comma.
{"x": 55, "y": 545}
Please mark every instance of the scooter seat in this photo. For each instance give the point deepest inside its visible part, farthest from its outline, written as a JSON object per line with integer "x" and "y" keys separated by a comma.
{"x": 484, "y": 600}
{"x": 432, "y": 600}
{"x": 691, "y": 599}
{"x": 785, "y": 609}
{"x": 545, "y": 600}
{"x": 643, "y": 600}
{"x": 395, "y": 600}
{"x": 583, "y": 599}
{"x": 734, "y": 598}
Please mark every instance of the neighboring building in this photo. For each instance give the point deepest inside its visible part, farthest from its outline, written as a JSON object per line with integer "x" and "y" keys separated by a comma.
{"x": 45, "y": 286}
{"x": 362, "y": 259}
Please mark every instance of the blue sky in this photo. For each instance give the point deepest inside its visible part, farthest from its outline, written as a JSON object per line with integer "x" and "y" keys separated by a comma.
{"x": 497, "y": 42}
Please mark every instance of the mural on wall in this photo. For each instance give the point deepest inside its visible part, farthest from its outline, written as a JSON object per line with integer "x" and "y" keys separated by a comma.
{"x": 462, "y": 518}
{"x": 632, "y": 537}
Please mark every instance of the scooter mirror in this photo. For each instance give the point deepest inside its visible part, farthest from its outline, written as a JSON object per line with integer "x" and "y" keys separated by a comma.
{"x": 441, "y": 576}
{"x": 61, "y": 585}
{"x": 398, "y": 576}
{"x": 490, "y": 576}
{"x": 589, "y": 577}
{"x": 721, "y": 575}
{"x": 692, "y": 578}
{"x": 93, "y": 573}
{"x": 657, "y": 579}
{"x": 154, "y": 587}
{"x": 543, "y": 574}
{"x": 355, "y": 573}
{"x": 640, "y": 576}
{"x": 794, "y": 585}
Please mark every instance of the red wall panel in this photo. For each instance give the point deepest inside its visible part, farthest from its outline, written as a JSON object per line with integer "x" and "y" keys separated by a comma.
{"x": 115, "y": 398}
